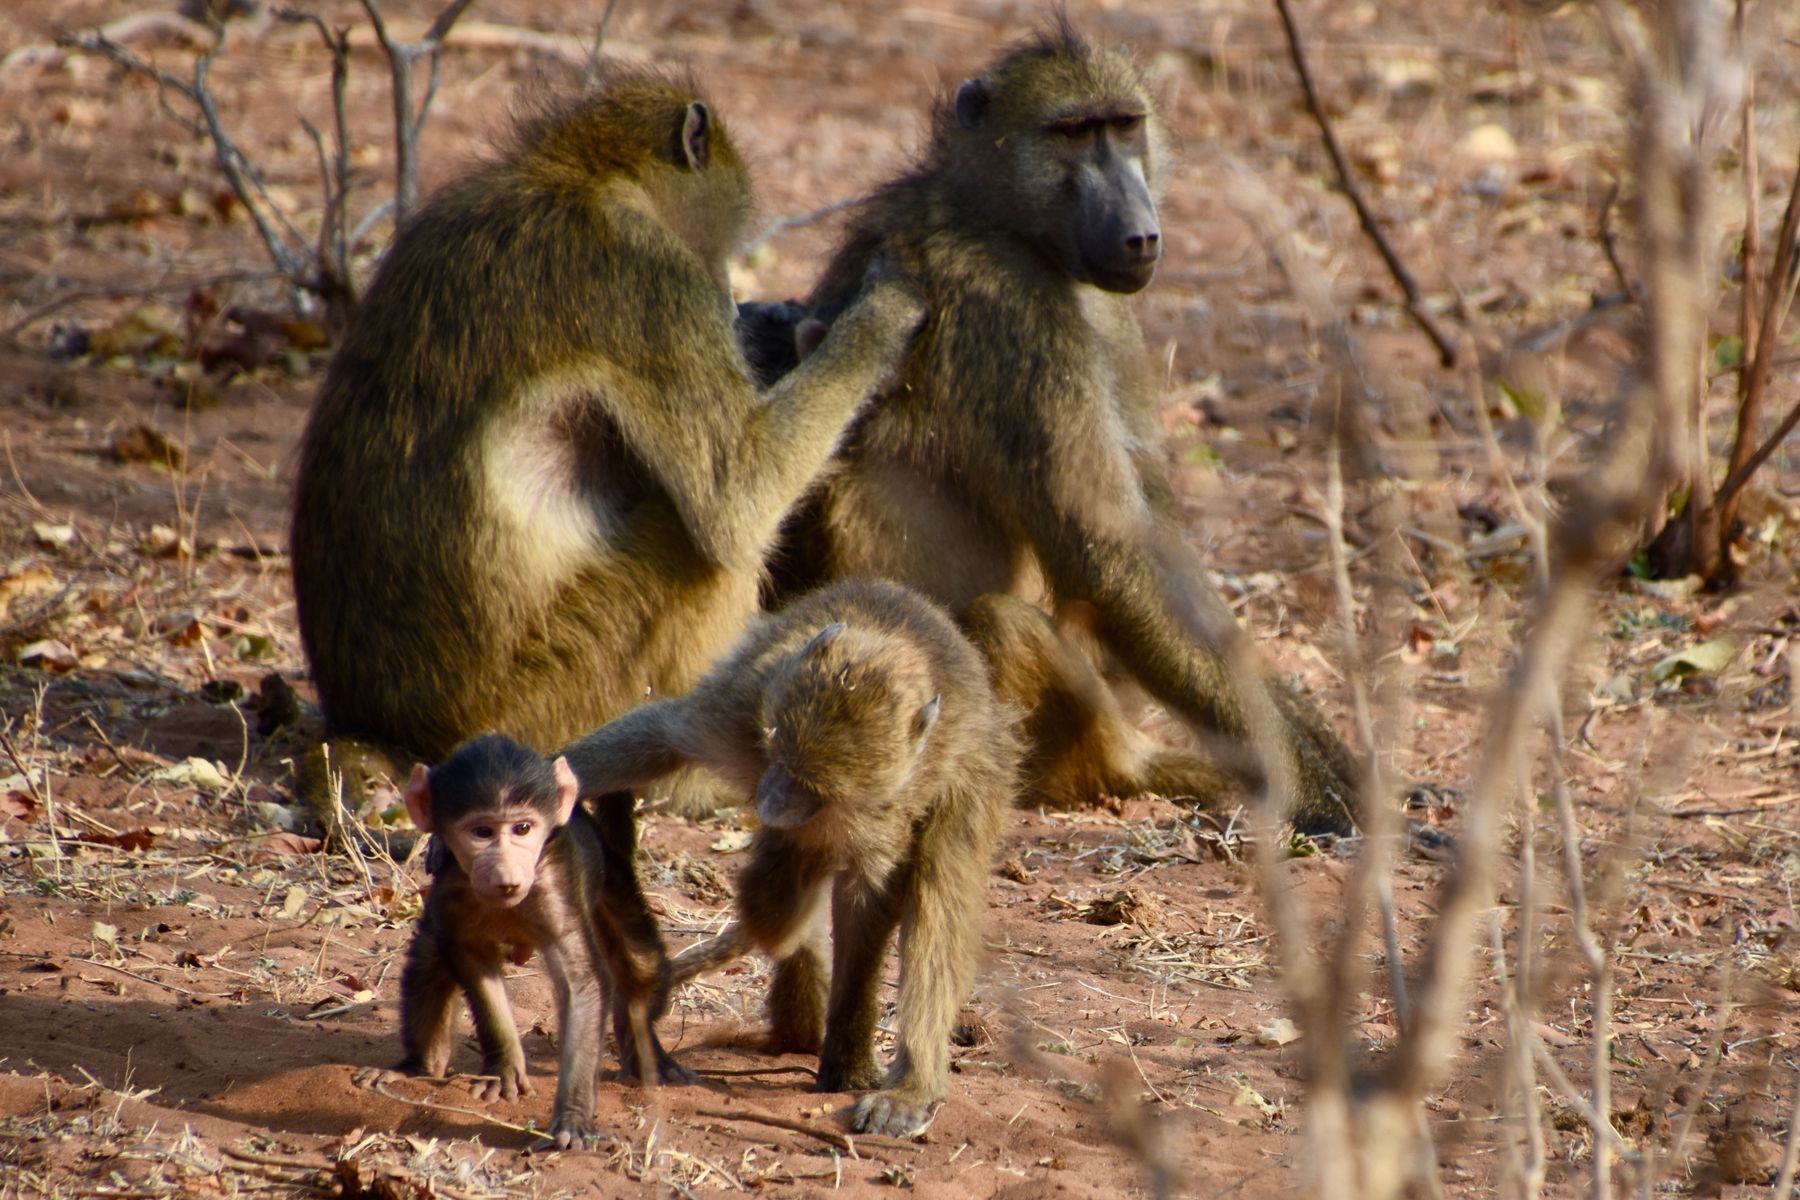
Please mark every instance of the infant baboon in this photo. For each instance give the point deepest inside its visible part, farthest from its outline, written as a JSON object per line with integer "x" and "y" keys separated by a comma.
{"x": 881, "y": 763}
{"x": 774, "y": 336}
{"x": 1017, "y": 457}
{"x": 517, "y": 868}
{"x": 539, "y": 482}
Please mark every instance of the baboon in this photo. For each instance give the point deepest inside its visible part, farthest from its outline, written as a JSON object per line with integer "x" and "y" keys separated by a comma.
{"x": 1015, "y": 465}
{"x": 517, "y": 867}
{"x": 881, "y": 763}
{"x": 539, "y": 482}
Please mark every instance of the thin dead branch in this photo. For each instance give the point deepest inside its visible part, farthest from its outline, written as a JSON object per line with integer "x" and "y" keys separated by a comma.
{"x": 1415, "y": 303}
{"x": 409, "y": 119}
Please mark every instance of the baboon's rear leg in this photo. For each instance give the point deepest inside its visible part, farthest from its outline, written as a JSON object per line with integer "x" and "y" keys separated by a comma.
{"x": 1081, "y": 743}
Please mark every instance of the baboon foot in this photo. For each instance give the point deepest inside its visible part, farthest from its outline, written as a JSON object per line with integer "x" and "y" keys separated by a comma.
{"x": 669, "y": 1070}
{"x": 502, "y": 1079}
{"x": 374, "y": 1077}
{"x": 856, "y": 1075}
{"x": 893, "y": 1113}
{"x": 569, "y": 1130}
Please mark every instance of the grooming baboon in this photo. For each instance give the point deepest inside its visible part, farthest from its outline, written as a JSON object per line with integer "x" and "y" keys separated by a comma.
{"x": 517, "y": 867}
{"x": 881, "y": 763}
{"x": 539, "y": 483}
{"x": 1018, "y": 455}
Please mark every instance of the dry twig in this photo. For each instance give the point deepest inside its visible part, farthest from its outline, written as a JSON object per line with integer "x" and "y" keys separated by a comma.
{"x": 1415, "y": 303}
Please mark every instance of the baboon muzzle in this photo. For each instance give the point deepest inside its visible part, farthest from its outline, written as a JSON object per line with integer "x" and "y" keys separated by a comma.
{"x": 1117, "y": 234}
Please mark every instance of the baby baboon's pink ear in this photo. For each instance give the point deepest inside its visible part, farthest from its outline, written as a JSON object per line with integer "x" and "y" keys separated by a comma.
{"x": 568, "y": 790}
{"x": 418, "y": 797}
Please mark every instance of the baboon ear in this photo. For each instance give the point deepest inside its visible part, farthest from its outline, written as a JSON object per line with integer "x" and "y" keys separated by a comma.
{"x": 568, "y": 791}
{"x": 696, "y": 136}
{"x": 418, "y": 797}
{"x": 824, "y": 637}
{"x": 972, "y": 103}
{"x": 928, "y": 715}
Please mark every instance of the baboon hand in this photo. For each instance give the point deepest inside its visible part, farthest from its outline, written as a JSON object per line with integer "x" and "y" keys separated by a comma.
{"x": 891, "y": 1113}
{"x": 503, "y": 1080}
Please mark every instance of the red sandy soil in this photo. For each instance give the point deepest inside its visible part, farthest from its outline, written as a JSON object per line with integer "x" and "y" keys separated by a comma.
{"x": 185, "y": 990}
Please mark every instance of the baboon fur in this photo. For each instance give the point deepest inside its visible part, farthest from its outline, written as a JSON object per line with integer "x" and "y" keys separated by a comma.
{"x": 1015, "y": 469}
{"x": 539, "y": 482}
{"x": 881, "y": 764}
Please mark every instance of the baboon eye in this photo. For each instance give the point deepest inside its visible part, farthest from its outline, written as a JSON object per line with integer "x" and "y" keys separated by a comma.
{"x": 521, "y": 828}
{"x": 1127, "y": 125}
{"x": 1074, "y": 131}
{"x": 482, "y": 832}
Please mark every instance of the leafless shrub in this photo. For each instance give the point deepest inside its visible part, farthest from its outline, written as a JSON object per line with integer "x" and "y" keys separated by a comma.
{"x": 317, "y": 271}
{"x": 1367, "y": 1132}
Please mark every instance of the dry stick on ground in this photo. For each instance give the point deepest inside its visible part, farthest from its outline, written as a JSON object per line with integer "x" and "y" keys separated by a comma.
{"x": 1415, "y": 303}
{"x": 408, "y": 122}
{"x": 830, "y": 1137}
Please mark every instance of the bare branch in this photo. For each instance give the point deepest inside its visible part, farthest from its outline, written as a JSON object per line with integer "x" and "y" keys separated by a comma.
{"x": 1777, "y": 302}
{"x": 1415, "y": 303}
{"x": 592, "y": 71}
{"x": 408, "y": 122}
{"x": 232, "y": 162}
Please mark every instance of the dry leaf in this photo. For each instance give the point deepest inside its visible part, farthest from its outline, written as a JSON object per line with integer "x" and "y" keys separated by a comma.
{"x": 732, "y": 840}
{"x": 289, "y": 844}
{"x": 293, "y": 902}
{"x": 193, "y": 772}
{"x": 132, "y": 839}
{"x": 18, "y": 804}
{"x": 150, "y": 445}
{"x": 1127, "y": 906}
{"x": 1278, "y": 1032}
{"x": 52, "y": 537}
{"x": 49, "y": 655}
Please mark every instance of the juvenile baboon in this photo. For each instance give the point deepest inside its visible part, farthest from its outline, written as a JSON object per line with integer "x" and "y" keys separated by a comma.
{"x": 517, "y": 867}
{"x": 881, "y": 763}
{"x": 1017, "y": 456}
{"x": 539, "y": 482}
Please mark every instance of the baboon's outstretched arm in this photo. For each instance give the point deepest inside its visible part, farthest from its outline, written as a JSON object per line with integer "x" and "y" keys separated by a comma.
{"x": 734, "y": 463}
{"x": 640, "y": 747}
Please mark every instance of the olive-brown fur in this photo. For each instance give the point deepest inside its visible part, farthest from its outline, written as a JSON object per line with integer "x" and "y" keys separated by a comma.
{"x": 539, "y": 482}
{"x": 1017, "y": 464}
{"x": 881, "y": 764}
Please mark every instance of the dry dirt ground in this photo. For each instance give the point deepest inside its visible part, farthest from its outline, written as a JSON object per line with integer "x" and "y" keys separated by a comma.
{"x": 186, "y": 987}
